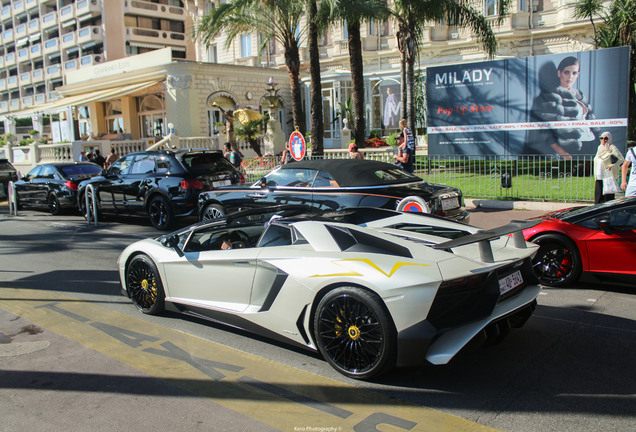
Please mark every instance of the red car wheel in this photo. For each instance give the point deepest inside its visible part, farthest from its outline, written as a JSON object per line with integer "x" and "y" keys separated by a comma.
{"x": 557, "y": 262}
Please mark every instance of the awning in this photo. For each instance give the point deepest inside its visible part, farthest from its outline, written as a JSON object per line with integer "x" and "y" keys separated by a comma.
{"x": 82, "y": 99}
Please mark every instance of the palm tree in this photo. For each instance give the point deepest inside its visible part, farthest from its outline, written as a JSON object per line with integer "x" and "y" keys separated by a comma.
{"x": 351, "y": 13}
{"x": 317, "y": 126}
{"x": 411, "y": 15}
{"x": 587, "y": 9}
{"x": 277, "y": 19}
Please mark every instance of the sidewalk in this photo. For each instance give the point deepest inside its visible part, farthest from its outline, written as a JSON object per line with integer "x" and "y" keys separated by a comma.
{"x": 520, "y": 205}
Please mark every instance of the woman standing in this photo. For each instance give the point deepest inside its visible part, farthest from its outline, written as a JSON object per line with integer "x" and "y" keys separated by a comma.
{"x": 604, "y": 165}
{"x": 564, "y": 103}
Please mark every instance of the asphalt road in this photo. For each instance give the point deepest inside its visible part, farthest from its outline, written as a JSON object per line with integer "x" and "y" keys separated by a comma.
{"x": 76, "y": 355}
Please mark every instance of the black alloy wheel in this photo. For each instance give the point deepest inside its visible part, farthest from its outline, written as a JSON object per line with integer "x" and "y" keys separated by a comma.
{"x": 557, "y": 262}
{"x": 160, "y": 213}
{"x": 144, "y": 286}
{"x": 54, "y": 204}
{"x": 354, "y": 333}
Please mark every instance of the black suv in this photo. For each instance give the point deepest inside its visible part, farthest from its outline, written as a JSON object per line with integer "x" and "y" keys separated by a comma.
{"x": 7, "y": 174}
{"x": 161, "y": 184}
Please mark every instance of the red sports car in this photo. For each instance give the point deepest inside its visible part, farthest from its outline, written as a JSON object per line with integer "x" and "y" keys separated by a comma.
{"x": 599, "y": 239}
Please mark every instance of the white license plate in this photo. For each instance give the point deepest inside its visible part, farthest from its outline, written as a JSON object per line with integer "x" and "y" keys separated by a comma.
{"x": 509, "y": 282}
{"x": 222, "y": 183}
{"x": 450, "y": 203}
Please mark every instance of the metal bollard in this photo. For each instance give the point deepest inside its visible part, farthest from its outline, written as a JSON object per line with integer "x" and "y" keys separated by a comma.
{"x": 91, "y": 204}
{"x": 12, "y": 197}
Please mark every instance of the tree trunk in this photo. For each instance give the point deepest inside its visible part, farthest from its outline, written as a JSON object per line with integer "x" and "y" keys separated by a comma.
{"x": 292, "y": 60}
{"x": 403, "y": 85}
{"x": 357, "y": 81}
{"x": 410, "y": 86}
{"x": 317, "y": 126}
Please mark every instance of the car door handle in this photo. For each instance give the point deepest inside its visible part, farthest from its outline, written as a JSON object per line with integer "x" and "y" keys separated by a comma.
{"x": 257, "y": 195}
{"x": 241, "y": 263}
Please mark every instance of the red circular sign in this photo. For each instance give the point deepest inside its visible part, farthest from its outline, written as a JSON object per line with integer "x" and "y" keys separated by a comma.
{"x": 297, "y": 145}
{"x": 413, "y": 207}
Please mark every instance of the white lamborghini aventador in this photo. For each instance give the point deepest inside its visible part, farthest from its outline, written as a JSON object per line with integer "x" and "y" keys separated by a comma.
{"x": 370, "y": 289}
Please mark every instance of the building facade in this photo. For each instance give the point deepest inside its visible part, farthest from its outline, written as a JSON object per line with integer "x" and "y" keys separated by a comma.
{"x": 101, "y": 67}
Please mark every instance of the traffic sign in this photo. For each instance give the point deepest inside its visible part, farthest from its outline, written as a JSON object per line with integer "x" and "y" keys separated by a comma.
{"x": 297, "y": 145}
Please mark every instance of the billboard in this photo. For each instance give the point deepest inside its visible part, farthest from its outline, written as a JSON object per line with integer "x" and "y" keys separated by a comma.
{"x": 555, "y": 104}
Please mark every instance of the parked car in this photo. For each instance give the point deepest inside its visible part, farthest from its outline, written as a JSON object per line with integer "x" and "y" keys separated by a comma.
{"x": 7, "y": 174}
{"x": 54, "y": 185}
{"x": 368, "y": 288}
{"x": 598, "y": 239}
{"x": 161, "y": 184}
{"x": 333, "y": 184}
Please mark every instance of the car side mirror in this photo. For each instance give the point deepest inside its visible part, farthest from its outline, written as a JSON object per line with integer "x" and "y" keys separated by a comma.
{"x": 263, "y": 182}
{"x": 172, "y": 241}
{"x": 604, "y": 224}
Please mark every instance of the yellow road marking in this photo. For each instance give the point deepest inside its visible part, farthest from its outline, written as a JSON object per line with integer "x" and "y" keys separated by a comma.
{"x": 281, "y": 396}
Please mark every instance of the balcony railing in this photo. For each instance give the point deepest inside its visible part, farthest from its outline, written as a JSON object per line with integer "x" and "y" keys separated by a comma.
{"x": 18, "y": 7}
{"x": 49, "y": 20}
{"x": 87, "y": 7}
{"x": 66, "y": 13}
{"x": 52, "y": 45}
{"x": 89, "y": 34}
{"x": 25, "y": 79}
{"x": 91, "y": 60}
{"x": 36, "y": 51}
{"x": 21, "y": 31}
{"x": 54, "y": 71}
{"x": 155, "y": 37}
{"x": 33, "y": 27}
{"x": 12, "y": 82}
{"x": 23, "y": 55}
{"x": 37, "y": 75}
{"x": 7, "y": 36}
{"x": 136, "y": 7}
{"x": 68, "y": 40}
{"x": 6, "y": 12}
{"x": 9, "y": 59}
{"x": 71, "y": 64}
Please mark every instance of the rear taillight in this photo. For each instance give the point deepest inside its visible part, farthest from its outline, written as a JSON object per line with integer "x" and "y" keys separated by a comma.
{"x": 70, "y": 185}
{"x": 191, "y": 184}
{"x": 241, "y": 178}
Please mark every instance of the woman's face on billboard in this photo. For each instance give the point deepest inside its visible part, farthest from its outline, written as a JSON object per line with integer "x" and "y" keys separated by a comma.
{"x": 568, "y": 76}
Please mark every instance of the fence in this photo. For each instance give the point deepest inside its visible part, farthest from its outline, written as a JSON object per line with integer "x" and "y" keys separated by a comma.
{"x": 511, "y": 177}
{"x": 518, "y": 177}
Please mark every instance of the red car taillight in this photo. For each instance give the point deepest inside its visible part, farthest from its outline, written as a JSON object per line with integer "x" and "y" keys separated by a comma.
{"x": 191, "y": 184}
{"x": 71, "y": 186}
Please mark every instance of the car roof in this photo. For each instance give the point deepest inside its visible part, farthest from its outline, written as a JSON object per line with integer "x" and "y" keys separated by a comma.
{"x": 347, "y": 172}
{"x": 69, "y": 163}
{"x": 575, "y": 214}
{"x": 180, "y": 151}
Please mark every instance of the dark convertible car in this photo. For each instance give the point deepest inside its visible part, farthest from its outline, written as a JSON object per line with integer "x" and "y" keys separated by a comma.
{"x": 333, "y": 184}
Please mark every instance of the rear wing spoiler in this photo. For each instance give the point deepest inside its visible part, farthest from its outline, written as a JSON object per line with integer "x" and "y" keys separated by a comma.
{"x": 483, "y": 237}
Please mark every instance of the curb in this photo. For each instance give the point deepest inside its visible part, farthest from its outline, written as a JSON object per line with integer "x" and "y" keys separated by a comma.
{"x": 520, "y": 205}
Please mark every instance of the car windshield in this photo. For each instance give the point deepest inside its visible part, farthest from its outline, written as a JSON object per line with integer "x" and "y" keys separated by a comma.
{"x": 581, "y": 212}
{"x": 81, "y": 170}
{"x": 206, "y": 163}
